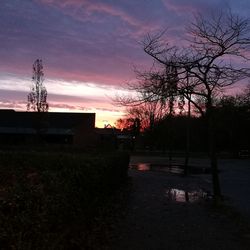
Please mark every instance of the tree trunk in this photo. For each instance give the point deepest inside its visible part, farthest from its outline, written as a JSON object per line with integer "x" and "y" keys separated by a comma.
{"x": 170, "y": 140}
{"x": 213, "y": 155}
{"x": 187, "y": 140}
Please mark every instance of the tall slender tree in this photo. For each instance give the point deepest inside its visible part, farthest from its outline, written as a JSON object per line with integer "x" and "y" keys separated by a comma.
{"x": 37, "y": 98}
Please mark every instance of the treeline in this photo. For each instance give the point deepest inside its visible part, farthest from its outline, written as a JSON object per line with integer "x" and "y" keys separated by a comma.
{"x": 231, "y": 125}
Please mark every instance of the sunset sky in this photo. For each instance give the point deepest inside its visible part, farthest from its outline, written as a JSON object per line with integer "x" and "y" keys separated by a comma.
{"x": 88, "y": 47}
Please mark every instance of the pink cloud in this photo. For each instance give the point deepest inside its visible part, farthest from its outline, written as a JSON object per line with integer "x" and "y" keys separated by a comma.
{"x": 87, "y": 77}
{"x": 181, "y": 6}
{"x": 100, "y": 72}
{"x": 111, "y": 10}
{"x": 184, "y": 7}
{"x": 54, "y": 105}
{"x": 16, "y": 105}
{"x": 85, "y": 9}
{"x": 91, "y": 7}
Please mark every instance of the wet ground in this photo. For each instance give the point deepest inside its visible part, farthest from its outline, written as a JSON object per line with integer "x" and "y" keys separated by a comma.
{"x": 169, "y": 211}
{"x": 171, "y": 168}
{"x": 235, "y": 184}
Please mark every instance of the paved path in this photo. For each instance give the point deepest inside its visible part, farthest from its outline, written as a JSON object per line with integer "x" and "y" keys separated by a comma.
{"x": 234, "y": 178}
{"x": 235, "y": 184}
{"x": 157, "y": 220}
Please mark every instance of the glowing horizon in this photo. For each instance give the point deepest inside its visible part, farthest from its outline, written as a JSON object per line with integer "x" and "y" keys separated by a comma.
{"x": 67, "y": 96}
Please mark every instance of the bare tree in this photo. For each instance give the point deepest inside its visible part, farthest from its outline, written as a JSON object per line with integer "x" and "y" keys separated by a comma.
{"x": 37, "y": 98}
{"x": 148, "y": 113}
{"x": 214, "y": 45}
{"x": 215, "y": 58}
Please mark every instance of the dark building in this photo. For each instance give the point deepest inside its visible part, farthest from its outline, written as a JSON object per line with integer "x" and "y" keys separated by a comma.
{"x": 48, "y": 127}
{"x": 110, "y": 137}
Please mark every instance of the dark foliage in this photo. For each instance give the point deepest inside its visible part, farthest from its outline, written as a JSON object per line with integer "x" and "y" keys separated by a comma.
{"x": 46, "y": 199}
{"x": 231, "y": 123}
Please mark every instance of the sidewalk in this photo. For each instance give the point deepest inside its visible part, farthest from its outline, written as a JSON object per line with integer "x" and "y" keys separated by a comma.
{"x": 234, "y": 178}
{"x": 235, "y": 184}
{"x": 158, "y": 220}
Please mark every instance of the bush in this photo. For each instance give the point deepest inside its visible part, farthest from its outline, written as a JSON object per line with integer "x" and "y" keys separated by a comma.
{"x": 44, "y": 195}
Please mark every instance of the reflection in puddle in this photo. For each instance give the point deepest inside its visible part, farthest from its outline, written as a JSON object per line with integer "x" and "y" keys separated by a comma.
{"x": 173, "y": 169}
{"x": 186, "y": 196}
{"x": 159, "y": 167}
{"x": 169, "y": 169}
{"x": 143, "y": 166}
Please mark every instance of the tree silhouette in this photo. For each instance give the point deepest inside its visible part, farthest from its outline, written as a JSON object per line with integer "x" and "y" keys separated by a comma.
{"x": 214, "y": 59}
{"x": 215, "y": 44}
{"x": 37, "y": 98}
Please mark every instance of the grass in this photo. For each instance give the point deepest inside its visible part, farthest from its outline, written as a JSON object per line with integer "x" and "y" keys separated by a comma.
{"x": 53, "y": 200}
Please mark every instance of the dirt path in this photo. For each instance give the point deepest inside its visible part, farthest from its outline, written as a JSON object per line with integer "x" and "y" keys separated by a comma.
{"x": 158, "y": 218}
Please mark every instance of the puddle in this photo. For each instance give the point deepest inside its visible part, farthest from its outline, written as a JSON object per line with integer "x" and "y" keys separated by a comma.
{"x": 183, "y": 196}
{"x": 141, "y": 166}
{"x": 173, "y": 169}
